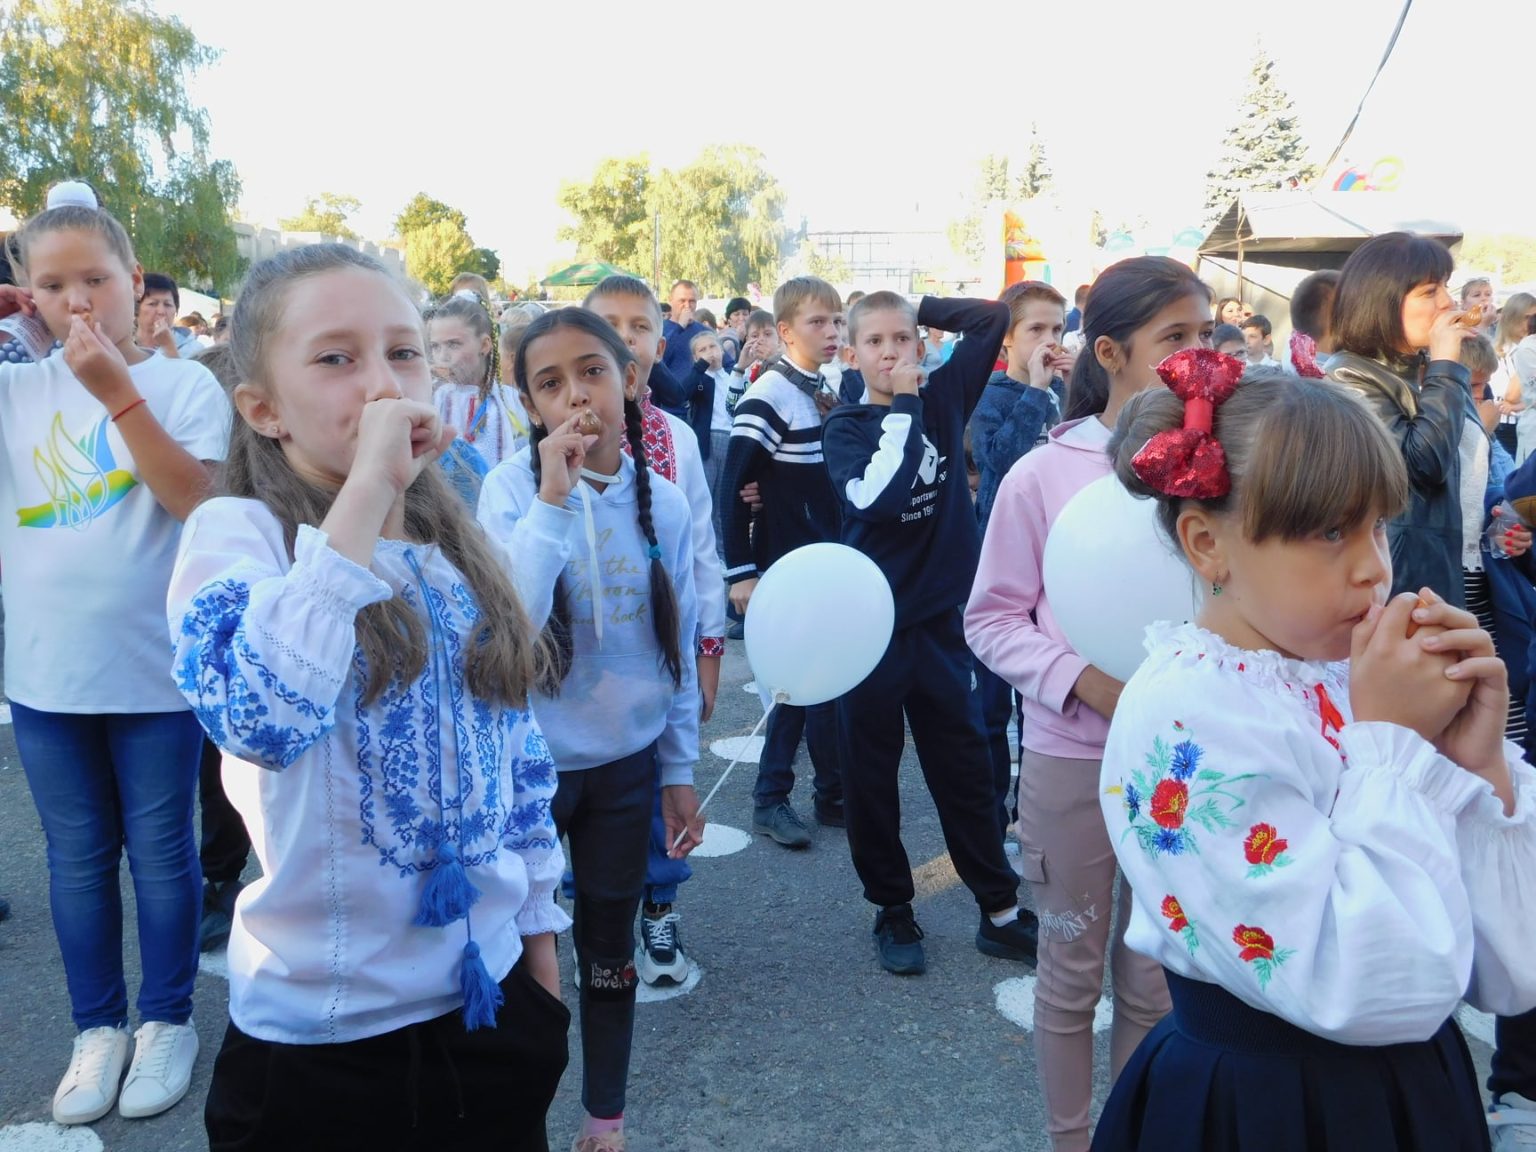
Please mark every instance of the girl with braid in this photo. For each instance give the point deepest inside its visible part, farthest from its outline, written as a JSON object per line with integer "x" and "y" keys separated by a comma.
{"x": 466, "y": 364}
{"x": 606, "y": 569}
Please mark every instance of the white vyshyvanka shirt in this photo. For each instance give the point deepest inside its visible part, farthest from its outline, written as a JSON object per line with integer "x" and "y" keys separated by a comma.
{"x": 1345, "y": 877}
{"x": 351, "y": 805}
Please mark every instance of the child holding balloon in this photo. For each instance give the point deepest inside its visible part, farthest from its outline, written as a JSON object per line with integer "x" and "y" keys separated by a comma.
{"x": 606, "y": 568}
{"x": 1326, "y": 857}
{"x": 896, "y": 464}
{"x": 1141, "y": 311}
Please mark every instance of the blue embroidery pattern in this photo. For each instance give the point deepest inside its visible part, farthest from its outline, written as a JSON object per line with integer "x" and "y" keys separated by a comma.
{"x": 405, "y": 739}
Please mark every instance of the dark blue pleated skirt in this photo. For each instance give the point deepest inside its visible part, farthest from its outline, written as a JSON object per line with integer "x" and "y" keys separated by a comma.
{"x": 1219, "y": 1076}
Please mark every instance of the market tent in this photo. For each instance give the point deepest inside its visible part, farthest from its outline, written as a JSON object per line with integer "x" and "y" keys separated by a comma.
{"x": 582, "y": 275}
{"x": 1264, "y": 244}
{"x": 1312, "y": 230}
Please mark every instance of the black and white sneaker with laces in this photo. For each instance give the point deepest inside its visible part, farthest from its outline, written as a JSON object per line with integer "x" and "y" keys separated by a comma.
{"x": 899, "y": 941}
{"x": 661, "y": 959}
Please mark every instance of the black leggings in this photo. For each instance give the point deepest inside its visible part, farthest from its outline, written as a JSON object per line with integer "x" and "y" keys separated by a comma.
{"x": 428, "y": 1087}
{"x": 605, "y": 813}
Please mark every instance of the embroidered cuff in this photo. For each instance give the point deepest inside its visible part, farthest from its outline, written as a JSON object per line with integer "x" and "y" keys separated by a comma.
{"x": 330, "y": 579}
{"x": 1413, "y": 760}
{"x": 712, "y": 646}
{"x": 540, "y": 914}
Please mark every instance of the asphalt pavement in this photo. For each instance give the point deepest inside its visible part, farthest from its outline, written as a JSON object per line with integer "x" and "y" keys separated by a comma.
{"x": 791, "y": 1037}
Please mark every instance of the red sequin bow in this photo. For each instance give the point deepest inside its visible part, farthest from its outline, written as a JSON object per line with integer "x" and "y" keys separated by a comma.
{"x": 1189, "y": 461}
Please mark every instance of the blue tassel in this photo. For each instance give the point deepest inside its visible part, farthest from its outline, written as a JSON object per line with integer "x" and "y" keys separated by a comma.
{"x": 482, "y": 995}
{"x": 448, "y": 895}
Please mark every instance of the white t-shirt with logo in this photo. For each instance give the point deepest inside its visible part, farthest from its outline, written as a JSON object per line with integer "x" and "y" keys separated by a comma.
{"x": 86, "y": 548}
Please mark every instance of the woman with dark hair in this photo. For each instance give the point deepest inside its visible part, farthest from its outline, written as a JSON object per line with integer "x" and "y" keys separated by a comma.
{"x": 1398, "y": 344}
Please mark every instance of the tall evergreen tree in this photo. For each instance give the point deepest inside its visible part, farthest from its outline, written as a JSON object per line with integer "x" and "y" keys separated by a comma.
{"x": 1264, "y": 148}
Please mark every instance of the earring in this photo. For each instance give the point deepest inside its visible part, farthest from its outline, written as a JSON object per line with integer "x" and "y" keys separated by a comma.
{"x": 1215, "y": 589}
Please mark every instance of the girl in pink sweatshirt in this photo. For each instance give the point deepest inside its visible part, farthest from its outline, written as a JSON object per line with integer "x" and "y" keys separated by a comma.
{"x": 1139, "y": 312}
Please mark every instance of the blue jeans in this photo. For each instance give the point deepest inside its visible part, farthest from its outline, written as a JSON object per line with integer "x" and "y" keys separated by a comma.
{"x": 776, "y": 771}
{"x": 662, "y": 873}
{"x": 102, "y": 783}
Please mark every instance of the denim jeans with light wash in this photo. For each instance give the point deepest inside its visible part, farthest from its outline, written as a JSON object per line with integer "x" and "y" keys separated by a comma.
{"x": 102, "y": 783}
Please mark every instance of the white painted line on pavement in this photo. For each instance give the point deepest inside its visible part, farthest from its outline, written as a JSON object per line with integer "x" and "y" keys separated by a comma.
{"x": 5, "y": 713}
{"x": 1016, "y": 1001}
{"x": 750, "y": 687}
{"x": 49, "y": 1138}
{"x": 749, "y": 750}
{"x": 655, "y": 994}
{"x": 722, "y": 840}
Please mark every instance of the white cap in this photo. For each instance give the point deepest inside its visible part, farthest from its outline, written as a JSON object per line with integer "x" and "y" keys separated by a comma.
{"x": 75, "y": 192}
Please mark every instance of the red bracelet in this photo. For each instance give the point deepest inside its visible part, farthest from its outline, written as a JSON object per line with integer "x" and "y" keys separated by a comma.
{"x": 130, "y": 408}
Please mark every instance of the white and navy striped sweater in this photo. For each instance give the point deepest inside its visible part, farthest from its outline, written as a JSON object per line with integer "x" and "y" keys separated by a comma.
{"x": 776, "y": 441}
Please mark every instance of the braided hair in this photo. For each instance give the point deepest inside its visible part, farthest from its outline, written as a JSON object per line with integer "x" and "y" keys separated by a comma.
{"x": 664, "y": 610}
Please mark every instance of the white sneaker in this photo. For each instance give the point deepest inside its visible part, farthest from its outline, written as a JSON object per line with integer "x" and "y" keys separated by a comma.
{"x": 1512, "y": 1123}
{"x": 89, "y": 1087}
{"x": 161, "y": 1071}
{"x": 661, "y": 959}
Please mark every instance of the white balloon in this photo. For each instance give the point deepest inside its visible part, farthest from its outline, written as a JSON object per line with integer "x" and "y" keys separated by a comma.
{"x": 819, "y": 621}
{"x": 1109, "y": 572}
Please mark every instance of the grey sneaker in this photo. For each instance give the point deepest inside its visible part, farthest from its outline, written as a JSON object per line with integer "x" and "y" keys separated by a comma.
{"x": 782, "y": 823}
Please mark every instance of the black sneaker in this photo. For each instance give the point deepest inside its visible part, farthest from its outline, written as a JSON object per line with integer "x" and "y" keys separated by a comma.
{"x": 899, "y": 941}
{"x": 1016, "y": 940}
{"x": 829, "y": 814}
{"x": 782, "y": 823}
{"x": 661, "y": 959}
{"x": 218, "y": 914}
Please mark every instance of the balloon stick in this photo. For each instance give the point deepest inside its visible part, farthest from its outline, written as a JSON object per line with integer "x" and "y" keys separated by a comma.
{"x": 778, "y": 698}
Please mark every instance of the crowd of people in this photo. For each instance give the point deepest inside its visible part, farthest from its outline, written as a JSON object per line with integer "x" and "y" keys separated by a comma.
{"x": 427, "y": 609}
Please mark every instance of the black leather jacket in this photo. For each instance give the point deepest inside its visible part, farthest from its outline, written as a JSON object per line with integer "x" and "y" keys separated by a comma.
{"x": 1426, "y": 419}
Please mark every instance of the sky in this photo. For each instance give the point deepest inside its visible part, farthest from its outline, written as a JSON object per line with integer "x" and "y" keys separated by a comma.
{"x": 870, "y": 119}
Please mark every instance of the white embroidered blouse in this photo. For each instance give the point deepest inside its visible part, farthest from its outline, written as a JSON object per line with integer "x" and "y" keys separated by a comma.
{"x": 1343, "y": 876}
{"x": 353, "y": 807}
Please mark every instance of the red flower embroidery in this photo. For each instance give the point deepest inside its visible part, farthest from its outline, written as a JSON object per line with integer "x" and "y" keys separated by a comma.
{"x": 1177, "y": 921}
{"x": 1170, "y": 800}
{"x": 1264, "y": 844}
{"x": 1256, "y": 944}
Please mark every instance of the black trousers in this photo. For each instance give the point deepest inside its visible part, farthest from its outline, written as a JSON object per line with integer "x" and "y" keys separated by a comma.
{"x": 226, "y": 845}
{"x": 926, "y": 675}
{"x": 997, "y": 707}
{"x": 429, "y": 1087}
{"x": 1514, "y": 1056}
{"x": 776, "y": 771}
{"x": 605, "y": 815}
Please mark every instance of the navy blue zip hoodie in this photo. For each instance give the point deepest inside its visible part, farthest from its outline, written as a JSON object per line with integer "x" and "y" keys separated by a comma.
{"x": 899, "y": 472}
{"x": 1010, "y": 419}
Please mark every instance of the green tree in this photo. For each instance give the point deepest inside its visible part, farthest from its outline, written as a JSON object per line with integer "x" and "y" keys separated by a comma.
{"x": 437, "y": 253}
{"x": 1037, "y": 176}
{"x": 1510, "y": 257}
{"x": 722, "y": 221}
{"x": 487, "y": 263}
{"x": 96, "y": 89}
{"x": 611, "y": 213}
{"x": 423, "y": 210}
{"x": 1264, "y": 147}
{"x": 326, "y": 213}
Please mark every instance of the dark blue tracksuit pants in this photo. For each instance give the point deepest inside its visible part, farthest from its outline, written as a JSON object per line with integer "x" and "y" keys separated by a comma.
{"x": 925, "y": 675}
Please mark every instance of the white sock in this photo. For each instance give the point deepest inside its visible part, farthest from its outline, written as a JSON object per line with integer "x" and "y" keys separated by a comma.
{"x": 1002, "y": 918}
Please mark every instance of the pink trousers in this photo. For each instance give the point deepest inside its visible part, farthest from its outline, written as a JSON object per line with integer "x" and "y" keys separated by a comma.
{"x": 1070, "y": 866}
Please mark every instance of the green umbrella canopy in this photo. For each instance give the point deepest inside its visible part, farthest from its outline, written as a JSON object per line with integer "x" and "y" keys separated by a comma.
{"x": 582, "y": 275}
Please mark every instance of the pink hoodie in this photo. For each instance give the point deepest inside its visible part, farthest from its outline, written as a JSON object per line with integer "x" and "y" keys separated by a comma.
{"x": 1008, "y": 622}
